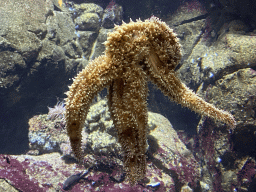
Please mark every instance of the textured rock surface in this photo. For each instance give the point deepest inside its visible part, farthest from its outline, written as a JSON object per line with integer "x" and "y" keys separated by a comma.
{"x": 229, "y": 153}
{"x": 41, "y": 48}
{"x": 170, "y": 164}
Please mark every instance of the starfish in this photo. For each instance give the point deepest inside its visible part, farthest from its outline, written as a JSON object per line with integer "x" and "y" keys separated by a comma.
{"x": 136, "y": 52}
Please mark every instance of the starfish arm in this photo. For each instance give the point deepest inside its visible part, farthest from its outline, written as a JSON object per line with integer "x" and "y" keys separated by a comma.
{"x": 187, "y": 98}
{"x": 172, "y": 87}
{"x": 191, "y": 100}
{"x": 86, "y": 85}
{"x": 128, "y": 107}
{"x": 177, "y": 91}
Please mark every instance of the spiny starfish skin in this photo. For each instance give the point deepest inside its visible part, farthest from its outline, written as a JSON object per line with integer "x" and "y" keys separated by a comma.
{"x": 136, "y": 52}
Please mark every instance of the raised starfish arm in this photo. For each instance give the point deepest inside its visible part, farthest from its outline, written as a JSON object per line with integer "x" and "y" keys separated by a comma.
{"x": 191, "y": 100}
{"x": 177, "y": 91}
{"x": 98, "y": 74}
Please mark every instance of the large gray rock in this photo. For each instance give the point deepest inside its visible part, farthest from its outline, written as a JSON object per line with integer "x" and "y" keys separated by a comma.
{"x": 40, "y": 51}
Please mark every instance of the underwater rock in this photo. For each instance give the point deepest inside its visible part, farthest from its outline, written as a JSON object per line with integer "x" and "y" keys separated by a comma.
{"x": 245, "y": 9}
{"x": 22, "y": 29}
{"x": 86, "y": 40}
{"x": 226, "y": 152}
{"x": 235, "y": 92}
{"x": 88, "y": 22}
{"x": 210, "y": 63}
{"x": 99, "y": 47}
{"x": 5, "y": 186}
{"x": 46, "y": 135}
{"x": 88, "y": 8}
{"x": 186, "y": 189}
{"x": 40, "y": 51}
{"x": 60, "y": 28}
{"x": 113, "y": 14}
{"x": 168, "y": 152}
{"x": 12, "y": 66}
{"x": 243, "y": 50}
{"x": 15, "y": 173}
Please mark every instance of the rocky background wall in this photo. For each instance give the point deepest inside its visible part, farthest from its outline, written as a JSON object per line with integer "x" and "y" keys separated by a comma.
{"x": 44, "y": 43}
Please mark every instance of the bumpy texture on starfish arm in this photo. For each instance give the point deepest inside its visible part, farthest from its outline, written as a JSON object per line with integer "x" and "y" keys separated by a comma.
{"x": 86, "y": 85}
{"x": 135, "y": 53}
{"x": 172, "y": 87}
